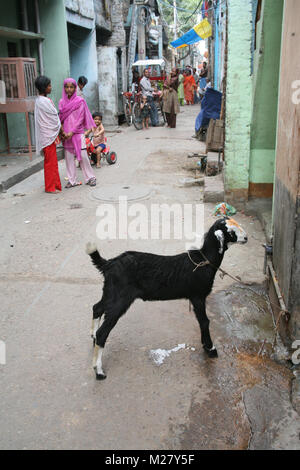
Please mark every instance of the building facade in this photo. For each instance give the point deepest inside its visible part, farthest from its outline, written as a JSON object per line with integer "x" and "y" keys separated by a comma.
{"x": 35, "y": 29}
{"x": 262, "y": 122}
{"x": 286, "y": 197}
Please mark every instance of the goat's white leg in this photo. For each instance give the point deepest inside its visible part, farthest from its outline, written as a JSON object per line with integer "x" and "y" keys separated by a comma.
{"x": 97, "y": 362}
{"x": 94, "y": 328}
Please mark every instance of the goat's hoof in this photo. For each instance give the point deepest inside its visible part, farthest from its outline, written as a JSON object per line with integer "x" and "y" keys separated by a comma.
{"x": 211, "y": 352}
{"x": 100, "y": 376}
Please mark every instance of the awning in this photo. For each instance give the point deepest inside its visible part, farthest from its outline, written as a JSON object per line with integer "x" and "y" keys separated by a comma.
{"x": 201, "y": 31}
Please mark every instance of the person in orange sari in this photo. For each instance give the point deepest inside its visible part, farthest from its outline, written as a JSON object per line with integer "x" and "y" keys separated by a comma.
{"x": 190, "y": 86}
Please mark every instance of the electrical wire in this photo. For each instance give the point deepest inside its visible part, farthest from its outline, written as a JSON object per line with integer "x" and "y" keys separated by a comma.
{"x": 169, "y": 5}
{"x": 177, "y": 8}
{"x": 147, "y": 18}
{"x": 198, "y": 6}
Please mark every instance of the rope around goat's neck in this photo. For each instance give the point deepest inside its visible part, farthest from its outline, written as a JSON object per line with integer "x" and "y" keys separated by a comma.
{"x": 198, "y": 265}
{"x": 224, "y": 273}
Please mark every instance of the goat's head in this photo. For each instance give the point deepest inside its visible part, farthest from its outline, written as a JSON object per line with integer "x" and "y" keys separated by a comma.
{"x": 228, "y": 231}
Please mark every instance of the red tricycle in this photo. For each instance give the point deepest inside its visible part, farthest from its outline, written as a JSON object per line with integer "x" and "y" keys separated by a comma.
{"x": 110, "y": 157}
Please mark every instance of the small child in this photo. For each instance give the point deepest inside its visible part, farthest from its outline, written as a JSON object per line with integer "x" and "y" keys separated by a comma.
{"x": 145, "y": 112}
{"x": 98, "y": 139}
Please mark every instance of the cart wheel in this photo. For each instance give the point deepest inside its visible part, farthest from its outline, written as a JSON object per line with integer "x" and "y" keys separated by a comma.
{"x": 111, "y": 158}
{"x": 136, "y": 116}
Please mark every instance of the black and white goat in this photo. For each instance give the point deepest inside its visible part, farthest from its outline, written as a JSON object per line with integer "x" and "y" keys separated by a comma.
{"x": 137, "y": 275}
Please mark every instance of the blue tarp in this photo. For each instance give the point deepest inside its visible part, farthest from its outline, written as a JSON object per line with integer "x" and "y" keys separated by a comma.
{"x": 210, "y": 108}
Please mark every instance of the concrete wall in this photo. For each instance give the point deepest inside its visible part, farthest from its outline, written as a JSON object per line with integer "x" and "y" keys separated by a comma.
{"x": 103, "y": 11}
{"x": 84, "y": 8}
{"x": 108, "y": 87}
{"x": 111, "y": 73}
{"x": 286, "y": 218}
{"x": 118, "y": 36}
{"x": 265, "y": 98}
{"x": 83, "y": 61}
{"x": 80, "y": 16}
{"x": 238, "y": 101}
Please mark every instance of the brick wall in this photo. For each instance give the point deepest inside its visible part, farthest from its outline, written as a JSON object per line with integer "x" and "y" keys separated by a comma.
{"x": 118, "y": 37}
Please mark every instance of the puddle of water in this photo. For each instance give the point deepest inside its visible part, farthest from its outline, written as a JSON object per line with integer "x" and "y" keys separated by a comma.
{"x": 247, "y": 313}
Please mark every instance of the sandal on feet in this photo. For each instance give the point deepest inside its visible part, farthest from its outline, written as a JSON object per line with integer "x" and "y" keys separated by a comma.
{"x": 69, "y": 185}
{"x": 92, "y": 182}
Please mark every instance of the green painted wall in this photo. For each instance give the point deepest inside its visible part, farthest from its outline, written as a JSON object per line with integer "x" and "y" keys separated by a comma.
{"x": 55, "y": 46}
{"x": 55, "y": 54}
{"x": 238, "y": 97}
{"x": 265, "y": 92}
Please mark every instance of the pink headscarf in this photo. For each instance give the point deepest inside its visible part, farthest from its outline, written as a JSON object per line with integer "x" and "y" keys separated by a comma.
{"x": 68, "y": 105}
{"x": 75, "y": 117}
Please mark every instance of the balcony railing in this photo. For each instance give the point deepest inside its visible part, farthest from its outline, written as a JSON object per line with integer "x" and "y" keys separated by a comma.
{"x": 18, "y": 75}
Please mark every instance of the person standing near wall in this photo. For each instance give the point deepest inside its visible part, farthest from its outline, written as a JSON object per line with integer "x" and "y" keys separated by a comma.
{"x": 170, "y": 98}
{"x": 189, "y": 87}
{"x": 148, "y": 91}
{"x": 197, "y": 79}
{"x": 82, "y": 81}
{"x": 203, "y": 75}
{"x": 47, "y": 129}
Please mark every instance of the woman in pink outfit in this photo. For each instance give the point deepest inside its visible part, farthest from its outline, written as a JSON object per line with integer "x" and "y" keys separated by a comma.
{"x": 75, "y": 118}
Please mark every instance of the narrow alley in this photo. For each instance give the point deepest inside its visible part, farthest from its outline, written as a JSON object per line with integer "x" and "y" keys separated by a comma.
{"x": 50, "y": 398}
{"x": 150, "y": 227}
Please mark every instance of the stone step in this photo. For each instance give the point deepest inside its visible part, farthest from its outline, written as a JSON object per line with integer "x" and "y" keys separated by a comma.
{"x": 214, "y": 188}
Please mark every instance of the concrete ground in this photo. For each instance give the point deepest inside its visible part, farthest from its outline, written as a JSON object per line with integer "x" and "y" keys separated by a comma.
{"x": 49, "y": 396}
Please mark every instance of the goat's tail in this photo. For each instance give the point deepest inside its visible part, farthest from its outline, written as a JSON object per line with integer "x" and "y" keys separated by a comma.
{"x": 97, "y": 260}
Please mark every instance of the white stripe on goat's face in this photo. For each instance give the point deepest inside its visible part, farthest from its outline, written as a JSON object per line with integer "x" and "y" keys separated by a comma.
{"x": 235, "y": 231}
{"x": 220, "y": 236}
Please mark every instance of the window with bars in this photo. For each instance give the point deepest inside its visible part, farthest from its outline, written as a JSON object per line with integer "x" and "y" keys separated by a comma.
{"x": 19, "y": 75}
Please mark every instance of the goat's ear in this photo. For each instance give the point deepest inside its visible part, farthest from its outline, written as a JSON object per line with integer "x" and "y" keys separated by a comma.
{"x": 220, "y": 237}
